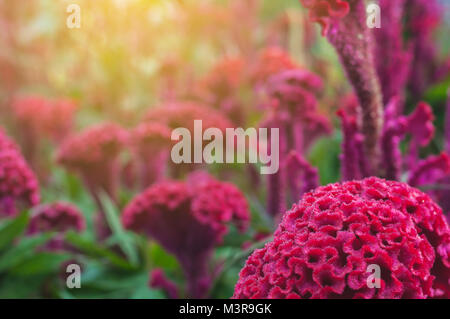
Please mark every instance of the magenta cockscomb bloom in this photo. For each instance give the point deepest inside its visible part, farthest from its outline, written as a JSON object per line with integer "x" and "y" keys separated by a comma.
{"x": 325, "y": 243}
{"x": 344, "y": 24}
{"x": 270, "y": 61}
{"x": 182, "y": 115}
{"x": 58, "y": 217}
{"x": 94, "y": 154}
{"x": 150, "y": 143}
{"x": 220, "y": 86}
{"x": 41, "y": 118}
{"x": 188, "y": 221}
{"x": 19, "y": 188}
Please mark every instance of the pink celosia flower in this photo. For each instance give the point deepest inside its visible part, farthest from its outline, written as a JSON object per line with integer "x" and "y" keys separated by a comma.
{"x": 188, "y": 221}
{"x": 150, "y": 143}
{"x": 220, "y": 86}
{"x": 19, "y": 187}
{"x": 40, "y": 118}
{"x": 57, "y": 217}
{"x": 183, "y": 114}
{"x": 94, "y": 155}
{"x": 272, "y": 60}
{"x": 325, "y": 243}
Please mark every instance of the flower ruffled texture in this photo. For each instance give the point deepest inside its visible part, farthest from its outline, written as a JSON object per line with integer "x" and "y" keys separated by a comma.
{"x": 188, "y": 221}
{"x": 19, "y": 187}
{"x": 325, "y": 243}
{"x": 58, "y": 217}
{"x": 326, "y": 12}
{"x": 94, "y": 154}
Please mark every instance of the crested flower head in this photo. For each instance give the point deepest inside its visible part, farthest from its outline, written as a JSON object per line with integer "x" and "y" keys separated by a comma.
{"x": 149, "y": 137}
{"x": 188, "y": 221}
{"x": 93, "y": 146}
{"x": 55, "y": 116}
{"x": 271, "y": 61}
{"x": 183, "y": 114}
{"x": 94, "y": 155}
{"x": 325, "y": 244}
{"x": 58, "y": 217}
{"x": 19, "y": 187}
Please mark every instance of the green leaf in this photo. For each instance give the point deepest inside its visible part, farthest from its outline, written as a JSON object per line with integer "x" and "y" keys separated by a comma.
{"x": 41, "y": 263}
{"x": 124, "y": 240}
{"x": 23, "y": 250}
{"x": 13, "y": 228}
{"x": 94, "y": 250}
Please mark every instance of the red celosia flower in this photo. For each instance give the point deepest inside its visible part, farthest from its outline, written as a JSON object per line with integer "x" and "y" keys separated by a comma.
{"x": 183, "y": 114}
{"x": 326, "y": 11}
{"x": 271, "y": 61}
{"x": 325, "y": 243}
{"x": 18, "y": 185}
{"x": 94, "y": 154}
{"x": 188, "y": 221}
{"x": 150, "y": 143}
{"x": 55, "y": 116}
{"x": 57, "y": 217}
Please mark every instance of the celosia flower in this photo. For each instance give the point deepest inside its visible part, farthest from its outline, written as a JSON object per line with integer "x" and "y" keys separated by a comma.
{"x": 19, "y": 187}
{"x": 57, "y": 217}
{"x": 272, "y": 60}
{"x": 188, "y": 221}
{"x": 150, "y": 143}
{"x": 94, "y": 155}
{"x": 220, "y": 87}
{"x": 325, "y": 243}
{"x": 344, "y": 24}
{"x": 183, "y": 114}
{"x": 41, "y": 118}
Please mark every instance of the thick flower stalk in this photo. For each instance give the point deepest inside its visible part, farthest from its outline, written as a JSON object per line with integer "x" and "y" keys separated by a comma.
{"x": 94, "y": 155}
{"x": 188, "y": 220}
{"x": 58, "y": 217}
{"x": 325, "y": 244}
{"x": 19, "y": 188}
{"x": 344, "y": 24}
{"x": 158, "y": 280}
